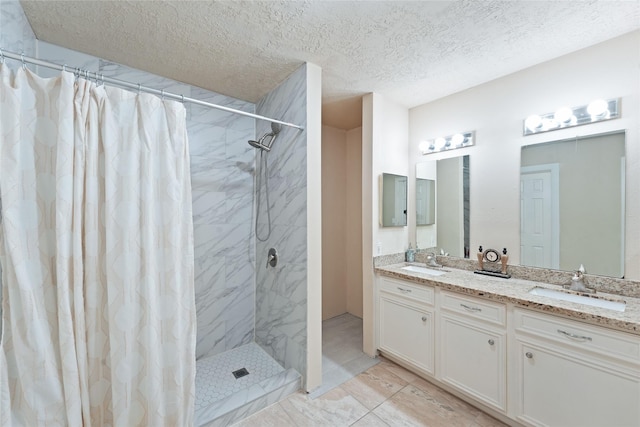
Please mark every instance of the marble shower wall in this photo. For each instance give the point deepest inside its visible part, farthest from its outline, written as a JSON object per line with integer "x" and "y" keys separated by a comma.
{"x": 15, "y": 32}
{"x": 281, "y": 292}
{"x": 222, "y": 166}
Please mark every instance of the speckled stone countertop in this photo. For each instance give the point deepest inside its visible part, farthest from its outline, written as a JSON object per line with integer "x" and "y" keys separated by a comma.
{"x": 516, "y": 291}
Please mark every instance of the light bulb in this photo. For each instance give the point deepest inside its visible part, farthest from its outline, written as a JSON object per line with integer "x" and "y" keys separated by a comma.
{"x": 598, "y": 108}
{"x": 563, "y": 115}
{"x": 457, "y": 139}
{"x": 533, "y": 122}
{"x": 440, "y": 143}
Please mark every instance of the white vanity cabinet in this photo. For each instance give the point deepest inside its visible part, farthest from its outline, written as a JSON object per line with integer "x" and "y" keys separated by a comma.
{"x": 568, "y": 373}
{"x": 406, "y": 322}
{"x": 472, "y": 347}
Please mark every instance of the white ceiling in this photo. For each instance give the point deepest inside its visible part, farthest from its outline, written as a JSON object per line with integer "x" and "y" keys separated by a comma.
{"x": 410, "y": 51}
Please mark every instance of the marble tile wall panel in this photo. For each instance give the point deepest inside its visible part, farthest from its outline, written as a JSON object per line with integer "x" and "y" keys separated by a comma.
{"x": 222, "y": 185}
{"x": 61, "y": 55}
{"x": 15, "y": 32}
{"x": 281, "y": 292}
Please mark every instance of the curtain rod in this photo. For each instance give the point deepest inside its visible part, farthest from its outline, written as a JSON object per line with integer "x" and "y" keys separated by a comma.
{"x": 135, "y": 86}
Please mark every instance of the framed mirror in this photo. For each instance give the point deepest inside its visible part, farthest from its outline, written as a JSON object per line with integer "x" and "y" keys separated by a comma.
{"x": 572, "y": 195}
{"x": 451, "y": 229}
{"x": 394, "y": 200}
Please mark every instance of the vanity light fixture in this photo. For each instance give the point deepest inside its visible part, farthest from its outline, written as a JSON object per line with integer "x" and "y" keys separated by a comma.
{"x": 565, "y": 117}
{"x": 451, "y": 142}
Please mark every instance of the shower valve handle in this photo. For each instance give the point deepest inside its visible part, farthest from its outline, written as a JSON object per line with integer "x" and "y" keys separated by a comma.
{"x": 272, "y": 258}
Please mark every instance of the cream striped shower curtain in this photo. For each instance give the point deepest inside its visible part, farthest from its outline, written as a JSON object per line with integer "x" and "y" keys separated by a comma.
{"x": 96, "y": 248}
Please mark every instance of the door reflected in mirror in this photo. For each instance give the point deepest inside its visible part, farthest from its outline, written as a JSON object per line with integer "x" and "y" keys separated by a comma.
{"x": 451, "y": 230}
{"x": 394, "y": 200}
{"x": 572, "y": 195}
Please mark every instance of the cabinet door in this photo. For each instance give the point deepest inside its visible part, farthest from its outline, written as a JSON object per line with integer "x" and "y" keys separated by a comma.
{"x": 407, "y": 332}
{"x": 559, "y": 390}
{"x": 472, "y": 359}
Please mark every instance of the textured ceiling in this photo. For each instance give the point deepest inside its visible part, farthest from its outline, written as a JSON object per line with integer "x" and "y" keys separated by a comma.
{"x": 410, "y": 51}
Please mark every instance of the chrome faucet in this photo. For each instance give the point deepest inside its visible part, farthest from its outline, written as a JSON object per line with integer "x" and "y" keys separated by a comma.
{"x": 431, "y": 260}
{"x": 577, "y": 281}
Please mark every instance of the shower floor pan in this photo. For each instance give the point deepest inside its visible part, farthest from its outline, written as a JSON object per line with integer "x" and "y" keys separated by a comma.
{"x": 222, "y": 399}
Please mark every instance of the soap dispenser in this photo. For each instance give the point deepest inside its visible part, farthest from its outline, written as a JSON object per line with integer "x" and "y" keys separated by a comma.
{"x": 410, "y": 255}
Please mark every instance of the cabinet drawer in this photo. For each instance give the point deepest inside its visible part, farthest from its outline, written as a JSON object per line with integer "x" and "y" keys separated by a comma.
{"x": 491, "y": 312}
{"x": 579, "y": 335}
{"x": 414, "y": 292}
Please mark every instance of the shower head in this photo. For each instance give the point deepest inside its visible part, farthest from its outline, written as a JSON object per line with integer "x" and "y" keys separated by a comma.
{"x": 258, "y": 144}
{"x": 266, "y": 146}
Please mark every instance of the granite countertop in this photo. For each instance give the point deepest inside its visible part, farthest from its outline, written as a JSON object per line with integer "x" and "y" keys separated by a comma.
{"x": 516, "y": 291}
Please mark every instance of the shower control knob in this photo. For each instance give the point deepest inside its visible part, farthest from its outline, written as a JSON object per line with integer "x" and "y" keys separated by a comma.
{"x": 272, "y": 257}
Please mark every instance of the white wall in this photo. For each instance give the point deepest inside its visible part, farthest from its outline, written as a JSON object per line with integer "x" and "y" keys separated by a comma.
{"x": 385, "y": 135}
{"x": 353, "y": 243}
{"x": 390, "y": 147}
{"x": 341, "y": 222}
{"x": 495, "y": 110}
{"x": 334, "y": 224}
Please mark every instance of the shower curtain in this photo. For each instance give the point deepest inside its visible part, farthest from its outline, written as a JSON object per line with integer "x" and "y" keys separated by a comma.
{"x": 96, "y": 248}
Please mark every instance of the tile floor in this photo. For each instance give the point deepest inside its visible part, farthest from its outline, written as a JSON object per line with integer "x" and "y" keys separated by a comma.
{"x": 363, "y": 392}
{"x": 342, "y": 356}
{"x": 384, "y": 395}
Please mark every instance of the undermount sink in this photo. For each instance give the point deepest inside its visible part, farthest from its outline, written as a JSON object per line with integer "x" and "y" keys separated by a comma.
{"x": 423, "y": 270}
{"x": 593, "y": 301}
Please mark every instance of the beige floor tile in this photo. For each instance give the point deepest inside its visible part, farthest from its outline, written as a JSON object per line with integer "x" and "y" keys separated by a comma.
{"x": 334, "y": 408}
{"x": 396, "y": 397}
{"x": 399, "y": 371}
{"x": 374, "y": 386}
{"x": 414, "y": 407}
{"x": 271, "y": 416}
{"x": 458, "y": 405}
{"x": 370, "y": 420}
{"x": 485, "y": 420}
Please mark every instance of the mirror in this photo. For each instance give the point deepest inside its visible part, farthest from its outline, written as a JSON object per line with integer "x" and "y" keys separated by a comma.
{"x": 394, "y": 200}
{"x": 425, "y": 201}
{"x": 572, "y": 195}
{"x": 451, "y": 230}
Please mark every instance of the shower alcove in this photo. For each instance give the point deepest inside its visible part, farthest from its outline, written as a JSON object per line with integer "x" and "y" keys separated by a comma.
{"x": 250, "y": 316}
{"x": 247, "y": 316}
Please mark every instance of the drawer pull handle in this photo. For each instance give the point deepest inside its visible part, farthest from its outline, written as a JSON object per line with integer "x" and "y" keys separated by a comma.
{"x": 408, "y": 291}
{"x": 424, "y": 318}
{"x": 472, "y": 309}
{"x": 529, "y": 355}
{"x": 491, "y": 342}
{"x": 574, "y": 336}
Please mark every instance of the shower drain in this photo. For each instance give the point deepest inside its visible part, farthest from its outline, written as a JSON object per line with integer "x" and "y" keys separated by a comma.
{"x": 240, "y": 373}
